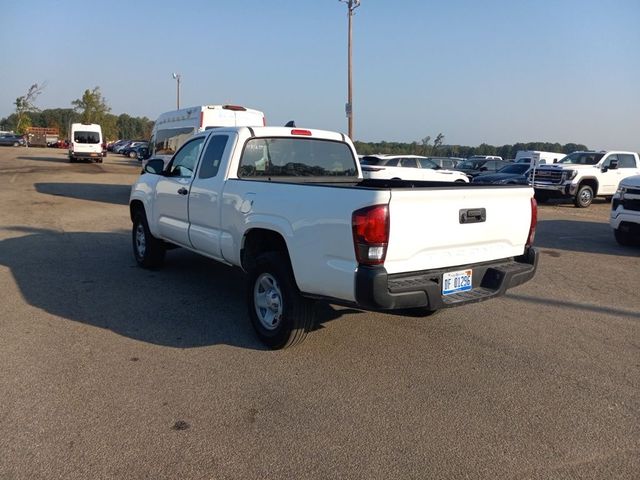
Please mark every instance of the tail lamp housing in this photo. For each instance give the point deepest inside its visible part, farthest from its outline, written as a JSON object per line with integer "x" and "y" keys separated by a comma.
{"x": 370, "y": 227}
{"x": 534, "y": 222}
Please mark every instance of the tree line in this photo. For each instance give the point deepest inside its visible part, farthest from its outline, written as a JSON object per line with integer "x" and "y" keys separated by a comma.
{"x": 439, "y": 149}
{"x": 91, "y": 107}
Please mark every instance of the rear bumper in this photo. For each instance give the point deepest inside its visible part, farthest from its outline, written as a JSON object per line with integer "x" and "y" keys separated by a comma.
{"x": 377, "y": 290}
{"x": 85, "y": 155}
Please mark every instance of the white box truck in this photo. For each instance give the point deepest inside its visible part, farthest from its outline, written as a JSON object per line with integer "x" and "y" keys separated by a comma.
{"x": 85, "y": 142}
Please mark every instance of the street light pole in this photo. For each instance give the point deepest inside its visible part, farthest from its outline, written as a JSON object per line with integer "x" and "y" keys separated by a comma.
{"x": 177, "y": 77}
{"x": 351, "y": 6}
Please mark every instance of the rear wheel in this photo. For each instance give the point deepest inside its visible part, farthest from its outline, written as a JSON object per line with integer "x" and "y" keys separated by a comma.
{"x": 583, "y": 197}
{"x": 280, "y": 315}
{"x": 148, "y": 250}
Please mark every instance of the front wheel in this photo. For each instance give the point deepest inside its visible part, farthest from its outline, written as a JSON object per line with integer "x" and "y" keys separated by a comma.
{"x": 148, "y": 250}
{"x": 624, "y": 237}
{"x": 584, "y": 197}
{"x": 541, "y": 197}
{"x": 280, "y": 315}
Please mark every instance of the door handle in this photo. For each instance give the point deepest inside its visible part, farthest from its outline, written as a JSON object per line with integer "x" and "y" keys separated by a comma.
{"x": 183, "y": 191}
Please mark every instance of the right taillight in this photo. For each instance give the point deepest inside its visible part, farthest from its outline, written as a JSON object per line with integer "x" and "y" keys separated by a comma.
{"x": 534, "y": 221}
{"x": 370, "y": 227}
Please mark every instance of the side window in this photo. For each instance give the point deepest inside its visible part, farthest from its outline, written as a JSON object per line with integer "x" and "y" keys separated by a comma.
{"x": 609, "y": 159}
{"x": 184, "y": 162}
{"x": 168, "y": 141}
{"x": 392, "y": 162}
{"x": 409, "y": 162}
{"x": 626, "y": 160}
{"x": 212, "y": 156}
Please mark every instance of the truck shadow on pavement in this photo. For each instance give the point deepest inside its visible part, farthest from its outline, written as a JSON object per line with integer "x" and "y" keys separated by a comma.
{"x": 97, "y": 192}
{"x": 92, "y": 278}
{"x": 579, "y": 236}
{"x": 40, "y": 158}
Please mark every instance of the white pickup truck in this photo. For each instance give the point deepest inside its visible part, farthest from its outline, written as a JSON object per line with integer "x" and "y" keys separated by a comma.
{"x": 290, "y": 207}
{"x": 625, "y": 212}
{"x": 582, "y": 176}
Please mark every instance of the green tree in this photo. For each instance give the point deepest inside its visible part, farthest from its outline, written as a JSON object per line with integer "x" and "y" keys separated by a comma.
{"x": 26, "y": 104}
{"x": 92, "y": 106}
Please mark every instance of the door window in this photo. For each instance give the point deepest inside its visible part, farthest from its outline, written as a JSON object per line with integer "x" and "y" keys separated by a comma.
{"x": 626, "y": 160}
{"x": 184, "y": 162}
{"x": 212, "y": 156}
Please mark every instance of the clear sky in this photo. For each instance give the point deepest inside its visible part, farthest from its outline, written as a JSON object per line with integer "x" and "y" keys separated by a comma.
{"x": 494, "y": 71}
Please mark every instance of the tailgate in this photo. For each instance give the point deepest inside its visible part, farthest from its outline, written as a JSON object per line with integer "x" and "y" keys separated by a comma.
{"x": 427, "y": 231}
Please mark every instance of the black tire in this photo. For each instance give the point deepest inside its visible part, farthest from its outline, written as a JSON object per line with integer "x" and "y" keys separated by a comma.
{"x": 541, "y": 197}
{"x": 98, "y": 160}
{"x": 280, "y": 315}
{"x": 625, "y": 237}
{"x": 584, "y": 196}
{"x": 148, "y": 250}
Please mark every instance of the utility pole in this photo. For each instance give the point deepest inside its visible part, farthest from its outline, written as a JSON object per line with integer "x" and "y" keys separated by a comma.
{"x": 351, "y": 6}
{"x": 177, "y": 78}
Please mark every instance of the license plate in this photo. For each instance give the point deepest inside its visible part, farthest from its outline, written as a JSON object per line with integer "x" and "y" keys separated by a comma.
{"x": 455, "y": 282}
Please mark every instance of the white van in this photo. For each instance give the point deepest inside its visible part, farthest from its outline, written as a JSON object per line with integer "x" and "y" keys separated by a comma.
{"x": 173, "y": 128}
{"x": 538, "y": 157}
{"x": 85, "y": 142}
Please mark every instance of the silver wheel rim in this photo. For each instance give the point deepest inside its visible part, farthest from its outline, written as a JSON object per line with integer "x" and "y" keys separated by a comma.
{"x": 267, "y": 298}
{"x": 141, "y": 241}
{"x": 585, "y": 196}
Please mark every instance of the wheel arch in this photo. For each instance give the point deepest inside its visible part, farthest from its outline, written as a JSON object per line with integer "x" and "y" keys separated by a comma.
{"x": 592, "y": 182}
{"x": 135, "y": 207}
{"x": 259, "y": 240}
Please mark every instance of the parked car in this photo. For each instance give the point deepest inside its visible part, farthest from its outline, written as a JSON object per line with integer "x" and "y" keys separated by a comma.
{"x": 141, "y": 152}
{"x": 12, "y": 140}
{"x": 473, "y": 166}
{"x": 407, "y": 167}
{"x": 129, "y": 150}
{"x": 513, "y": 174}
{"x": 122, "y": 145}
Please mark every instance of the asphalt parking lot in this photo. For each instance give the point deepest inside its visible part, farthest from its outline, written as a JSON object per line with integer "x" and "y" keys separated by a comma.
{"x": 110, "y": 371}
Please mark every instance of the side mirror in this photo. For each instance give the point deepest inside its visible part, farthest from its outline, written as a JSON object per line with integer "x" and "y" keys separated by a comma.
{"x": 155, "y": 166}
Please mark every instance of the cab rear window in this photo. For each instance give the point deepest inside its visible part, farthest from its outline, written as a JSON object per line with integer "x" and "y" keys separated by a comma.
{"x": 86, "y": 137}
{"x": 296, "y": 157}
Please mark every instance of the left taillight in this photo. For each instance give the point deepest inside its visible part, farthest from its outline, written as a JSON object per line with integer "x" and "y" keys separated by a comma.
{"x": 370, "y": 226}
{"x": 534, "y": 222}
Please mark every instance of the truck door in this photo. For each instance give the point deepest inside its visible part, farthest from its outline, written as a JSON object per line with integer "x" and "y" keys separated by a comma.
{"x": 206, "y": 193}
{"x": 172, "y": 194}
{"x": 609, "y": 180}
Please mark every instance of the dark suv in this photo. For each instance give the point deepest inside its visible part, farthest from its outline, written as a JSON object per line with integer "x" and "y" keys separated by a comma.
{"x": 12, "y": 140}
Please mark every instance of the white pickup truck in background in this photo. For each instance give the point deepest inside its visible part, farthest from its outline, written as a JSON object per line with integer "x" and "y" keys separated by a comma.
{"x": 581, "y": 176}
{"x": 290, "y": 207}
